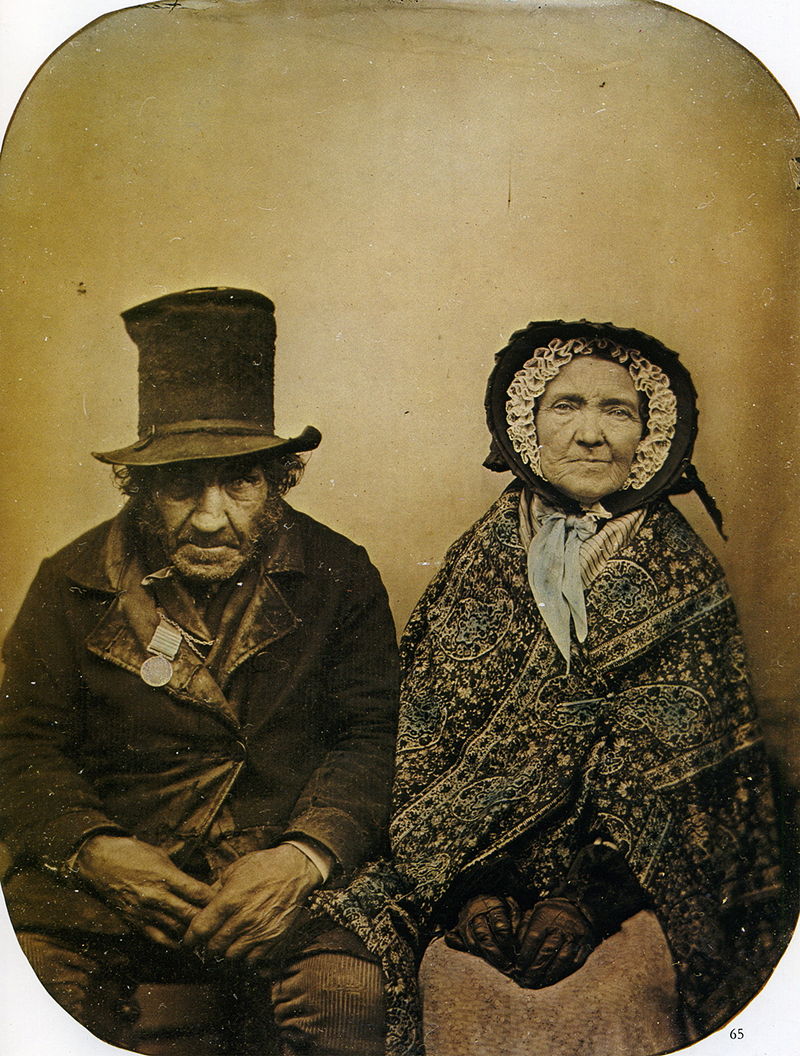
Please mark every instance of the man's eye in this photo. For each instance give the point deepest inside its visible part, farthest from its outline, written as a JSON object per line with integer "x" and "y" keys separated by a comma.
{"x": 178, "y": 487}
{"x": 243, "y": 484}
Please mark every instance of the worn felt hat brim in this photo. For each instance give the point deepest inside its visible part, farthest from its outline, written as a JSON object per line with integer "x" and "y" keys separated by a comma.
{"x": 206, "y": 378}
{"x": 199, "y": 444}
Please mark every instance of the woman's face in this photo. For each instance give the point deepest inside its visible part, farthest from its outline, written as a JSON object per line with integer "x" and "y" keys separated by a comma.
{"x": 588, "y": 424}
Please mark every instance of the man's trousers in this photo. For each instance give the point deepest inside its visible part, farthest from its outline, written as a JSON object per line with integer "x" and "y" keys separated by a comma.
{"x": 323, "y": 999}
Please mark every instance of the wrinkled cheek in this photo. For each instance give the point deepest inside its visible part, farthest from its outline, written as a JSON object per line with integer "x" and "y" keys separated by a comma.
{"x": 548, "y": 458}
{"x": 621, "y": 468}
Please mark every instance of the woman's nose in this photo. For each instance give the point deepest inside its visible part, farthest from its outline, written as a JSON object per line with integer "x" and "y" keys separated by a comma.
{"x": 588, "y": 429}
{"x": 209, "y": 512}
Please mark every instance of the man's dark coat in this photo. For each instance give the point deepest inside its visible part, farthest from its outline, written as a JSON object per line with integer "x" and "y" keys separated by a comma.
{"x": 286, "y": 730}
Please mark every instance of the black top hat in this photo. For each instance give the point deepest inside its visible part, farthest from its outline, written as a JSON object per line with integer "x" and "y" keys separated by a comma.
{"x": 206, "y": 379}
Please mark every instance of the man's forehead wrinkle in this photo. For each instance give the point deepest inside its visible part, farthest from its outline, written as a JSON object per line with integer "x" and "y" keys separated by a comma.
{"x": 219, "y": 465}
{"x": 209, "y": 468}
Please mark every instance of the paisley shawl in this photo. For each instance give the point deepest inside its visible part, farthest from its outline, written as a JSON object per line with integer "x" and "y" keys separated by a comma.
{"x": 651, "y": 742}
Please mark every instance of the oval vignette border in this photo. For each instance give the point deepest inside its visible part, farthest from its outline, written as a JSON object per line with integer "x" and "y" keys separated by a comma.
{"x": 29, "y": 1019}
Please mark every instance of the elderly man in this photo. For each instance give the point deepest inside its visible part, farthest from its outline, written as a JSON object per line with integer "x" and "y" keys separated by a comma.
{"x": 199, "y": 713}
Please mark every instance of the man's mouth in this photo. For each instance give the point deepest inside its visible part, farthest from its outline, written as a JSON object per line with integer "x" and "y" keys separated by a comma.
{"x": 207, "y": 551}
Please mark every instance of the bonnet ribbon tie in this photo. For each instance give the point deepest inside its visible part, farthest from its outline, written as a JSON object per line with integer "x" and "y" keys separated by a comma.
{"x": 554, "y": 573}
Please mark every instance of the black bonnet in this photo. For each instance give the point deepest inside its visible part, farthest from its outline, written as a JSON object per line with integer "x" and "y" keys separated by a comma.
{"x": 676, "y": 475}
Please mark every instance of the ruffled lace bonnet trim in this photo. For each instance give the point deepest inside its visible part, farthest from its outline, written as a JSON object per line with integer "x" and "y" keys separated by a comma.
{"x": 530, "y": 381}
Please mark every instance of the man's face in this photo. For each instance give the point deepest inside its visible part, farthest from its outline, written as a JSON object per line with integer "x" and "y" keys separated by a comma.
{"x": 210, "y": 516}
{"x": 589, "y": 426}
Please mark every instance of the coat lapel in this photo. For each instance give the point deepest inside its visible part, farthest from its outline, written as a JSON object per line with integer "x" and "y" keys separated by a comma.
{"x": 255, "y": 616}
{"x": 258, "y": 614}
{"x": 122, "y": 636}
{"x": 253, "y": 619}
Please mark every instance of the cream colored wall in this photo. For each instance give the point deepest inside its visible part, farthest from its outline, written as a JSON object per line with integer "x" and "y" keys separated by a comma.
{"x": 409, "y": 184}
{"x": 670, "y": 240}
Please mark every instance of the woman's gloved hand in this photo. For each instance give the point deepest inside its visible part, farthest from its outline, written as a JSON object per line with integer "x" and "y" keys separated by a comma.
{"x": 553, "y": 938}
{"x": 486, "y": 928}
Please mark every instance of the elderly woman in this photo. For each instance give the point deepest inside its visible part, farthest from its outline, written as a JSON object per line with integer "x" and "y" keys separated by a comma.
{"x": 578, "y": 738}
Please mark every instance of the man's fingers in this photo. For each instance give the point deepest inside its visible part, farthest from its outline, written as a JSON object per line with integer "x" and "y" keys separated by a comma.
{"x": 240, "y": 934}
{"x": 188, "y": 888}
{"x": 243, "y": 930}
{"x": 256, "y": 954}
{"x": 235, "y": 927}
{"x": 207, "y": 922}
{"x": 150, "y": 911}
{"x": 243, "y": 945}
{"x": 161, "y": 937}
{"x": 163, "y": 921}
{"x": 154, "y": 900}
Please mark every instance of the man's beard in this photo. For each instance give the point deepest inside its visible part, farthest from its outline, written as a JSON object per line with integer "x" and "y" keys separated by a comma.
{"x": 209, "y": 558}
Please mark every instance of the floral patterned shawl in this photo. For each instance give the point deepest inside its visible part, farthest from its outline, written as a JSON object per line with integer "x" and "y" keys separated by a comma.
{"x": 651, "y": 742}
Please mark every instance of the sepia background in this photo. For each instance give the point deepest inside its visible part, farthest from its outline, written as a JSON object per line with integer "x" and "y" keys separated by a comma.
{"x": 409, "y": 182}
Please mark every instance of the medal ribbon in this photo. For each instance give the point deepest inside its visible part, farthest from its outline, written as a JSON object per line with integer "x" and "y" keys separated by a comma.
{"x": 166, "y": 640}
{"x": 164, "y": 645}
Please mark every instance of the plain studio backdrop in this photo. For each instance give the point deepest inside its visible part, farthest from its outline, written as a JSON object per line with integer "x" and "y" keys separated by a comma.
{"x": 409, "y": 183}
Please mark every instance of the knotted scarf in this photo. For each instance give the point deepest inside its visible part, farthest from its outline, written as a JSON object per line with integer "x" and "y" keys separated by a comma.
{"x": 554, "y": 573}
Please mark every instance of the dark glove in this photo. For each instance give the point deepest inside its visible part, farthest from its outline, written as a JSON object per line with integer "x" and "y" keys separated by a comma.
{"x": 554, "y": 939}
{"x": 600, "y": 883}
{"x": 486, "y": 928}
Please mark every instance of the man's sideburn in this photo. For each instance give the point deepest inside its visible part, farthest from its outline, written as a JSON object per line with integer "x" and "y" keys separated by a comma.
{"x": 250, "y": 546}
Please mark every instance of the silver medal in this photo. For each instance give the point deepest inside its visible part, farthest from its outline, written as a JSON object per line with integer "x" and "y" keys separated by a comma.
{"x": 156, "y": 671}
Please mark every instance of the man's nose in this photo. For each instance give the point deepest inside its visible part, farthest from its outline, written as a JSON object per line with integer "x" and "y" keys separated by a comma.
{"x": 209, "y": 513}
{"x": 589, "y": 429}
